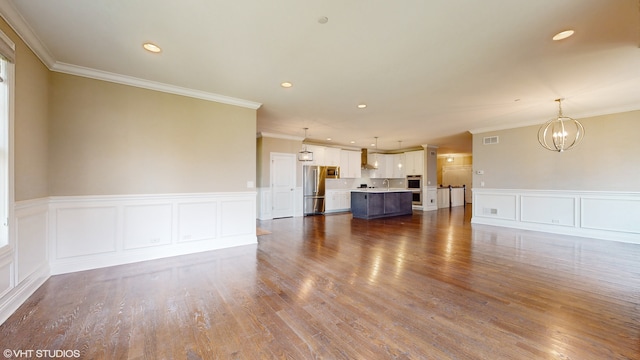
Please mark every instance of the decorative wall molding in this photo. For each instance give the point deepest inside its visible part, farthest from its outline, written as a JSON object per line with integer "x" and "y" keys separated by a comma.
{"x": 150, "y": 85}
{"x": 10, "y": 302}
{"x": 26, "y": 33}
{"x": 264, "y": 203}
{"x": 89, "y": 232}
{"x": 430, "y": 198}
{"x": 595, "y": 214}
{"x": 23, "y": 265}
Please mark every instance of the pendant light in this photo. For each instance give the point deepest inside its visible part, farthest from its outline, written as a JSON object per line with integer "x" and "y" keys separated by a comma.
{"x": 304, "y": 154}
{"x": 560, "y": 134}
{"x": 375, "y": 164}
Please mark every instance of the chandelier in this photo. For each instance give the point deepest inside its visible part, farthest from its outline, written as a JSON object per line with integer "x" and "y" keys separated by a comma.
{"x": 304, "y": 154}
{"x": 562, "y": 133}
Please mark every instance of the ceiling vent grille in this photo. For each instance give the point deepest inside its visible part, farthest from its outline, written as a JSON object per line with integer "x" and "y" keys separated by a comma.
{"x": 490, "y": 140}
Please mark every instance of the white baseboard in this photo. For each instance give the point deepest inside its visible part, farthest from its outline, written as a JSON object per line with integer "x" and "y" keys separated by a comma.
{"x": 19, "y": 294}
{"x": 595, "y": 214}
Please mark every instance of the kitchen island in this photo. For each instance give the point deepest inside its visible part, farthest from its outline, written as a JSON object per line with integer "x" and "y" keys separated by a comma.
{"x": 378, "y": 203}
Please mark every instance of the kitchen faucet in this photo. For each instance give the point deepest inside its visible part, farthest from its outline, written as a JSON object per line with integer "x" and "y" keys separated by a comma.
{"x": 388, "y": 183}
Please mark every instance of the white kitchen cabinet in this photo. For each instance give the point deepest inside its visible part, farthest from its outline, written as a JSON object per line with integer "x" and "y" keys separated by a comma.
{"x": 318, "y": 155}
{"x": 414, "y": 162}
{"x": 337, "y": 200}
{"x": 324, "y": 156}
{"x": 387, "y": 166}
{"x": 350, "y": 166}
{"x": 399, "y": 166}
{"x": 331, "y": 157}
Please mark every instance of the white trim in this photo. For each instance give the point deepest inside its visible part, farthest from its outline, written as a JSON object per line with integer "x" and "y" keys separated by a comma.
{"x": 585, "y": 115}
{"x": 608, "y": 215}
{"x": 151, "y": 85}
{"x": 279, "y": 136}
{"x": 11, "y": 15}
{"x": 8, "y": 41}
{"x": 132, "y": 228}
{"x": 16, "y": 297}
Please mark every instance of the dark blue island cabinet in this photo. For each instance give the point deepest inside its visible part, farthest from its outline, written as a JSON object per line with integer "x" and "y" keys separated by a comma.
{"x": 371, "y": 204}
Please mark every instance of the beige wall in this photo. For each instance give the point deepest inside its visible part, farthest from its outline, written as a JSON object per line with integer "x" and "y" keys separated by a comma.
{"x": 267, "y": 145}
{"x": 607, "y": 158}
{"x": 30, "y": 121}
{"x": 107, "y": 138}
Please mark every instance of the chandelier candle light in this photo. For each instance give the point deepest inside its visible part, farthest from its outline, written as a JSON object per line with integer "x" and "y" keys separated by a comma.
{"x": 562, "y": 133}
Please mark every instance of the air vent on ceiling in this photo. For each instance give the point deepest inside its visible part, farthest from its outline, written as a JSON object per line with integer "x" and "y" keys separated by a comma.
{"x": 490, "y": 140}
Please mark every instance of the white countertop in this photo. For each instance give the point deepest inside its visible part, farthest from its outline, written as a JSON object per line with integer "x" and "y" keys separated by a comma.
{"x": 380, "y": 190}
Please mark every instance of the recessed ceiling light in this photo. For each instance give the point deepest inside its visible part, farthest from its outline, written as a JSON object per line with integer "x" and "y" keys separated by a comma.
{"x": 286, "y": 84}
{"x": 362, "y": 106}
{"x": 352, "y": 142}
{"x": 562, "y": 35}
{"x": 329, "y": 139}
{"x": 323, "y": 20}
{"x": 151, "y": 47}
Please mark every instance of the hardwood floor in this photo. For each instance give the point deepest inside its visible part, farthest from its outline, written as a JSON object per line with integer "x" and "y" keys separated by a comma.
{"x": 426, "y": 286}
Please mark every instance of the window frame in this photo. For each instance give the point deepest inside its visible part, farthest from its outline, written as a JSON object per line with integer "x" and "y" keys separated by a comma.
{"x": 7, "y": 108}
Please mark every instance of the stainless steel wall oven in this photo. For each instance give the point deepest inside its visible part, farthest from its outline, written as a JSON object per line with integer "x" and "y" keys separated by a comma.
{"x": 414, "y": 183}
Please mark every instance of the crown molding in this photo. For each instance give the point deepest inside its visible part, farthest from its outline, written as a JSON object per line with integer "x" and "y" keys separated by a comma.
{"x": 279, "y": 136}
{"x": 15, "y": 20}
{"x": 151, "y": 85}
{"x": 579, "y": 116}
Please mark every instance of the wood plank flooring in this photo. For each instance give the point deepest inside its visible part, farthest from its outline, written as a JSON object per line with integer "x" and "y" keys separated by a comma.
{"x": 424, "y": 286}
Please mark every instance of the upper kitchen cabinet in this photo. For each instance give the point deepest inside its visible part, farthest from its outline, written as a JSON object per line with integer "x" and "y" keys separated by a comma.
{"x": 414, "y": 162}
{"x": 388, "y": 166}
{"x": 380, "y": 162}
{"x": 331, "y": 156}
{"x": 399, "y": 167}
{"x": 318, "y": 155}
{"x": 350, "y": 164}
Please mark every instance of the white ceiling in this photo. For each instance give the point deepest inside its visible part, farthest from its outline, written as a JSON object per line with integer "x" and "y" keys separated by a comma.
{"x": 429, "y": 71}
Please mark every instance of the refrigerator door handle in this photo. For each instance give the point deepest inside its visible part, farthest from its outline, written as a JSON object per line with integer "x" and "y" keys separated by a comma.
{"x": 315, "y": 181}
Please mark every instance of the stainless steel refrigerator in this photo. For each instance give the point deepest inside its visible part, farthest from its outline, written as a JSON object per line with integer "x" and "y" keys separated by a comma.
{"x": 313, "y": 179}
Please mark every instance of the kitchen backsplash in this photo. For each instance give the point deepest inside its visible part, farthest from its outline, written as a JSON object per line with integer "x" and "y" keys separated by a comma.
{"x": 355, "y": 183}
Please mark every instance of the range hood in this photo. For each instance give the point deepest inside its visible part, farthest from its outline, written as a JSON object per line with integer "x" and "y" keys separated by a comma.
{"x": 364, "y": 162}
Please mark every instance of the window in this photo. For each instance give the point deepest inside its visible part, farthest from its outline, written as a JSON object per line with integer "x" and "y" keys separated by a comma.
{"x": 7, "y": 52}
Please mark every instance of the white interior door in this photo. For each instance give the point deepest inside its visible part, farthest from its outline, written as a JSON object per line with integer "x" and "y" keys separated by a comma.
{"x": 283, "y": 184}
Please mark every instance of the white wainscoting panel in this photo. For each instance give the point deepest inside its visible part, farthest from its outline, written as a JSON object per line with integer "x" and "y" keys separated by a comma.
{"x": 495, "y": 205}
{"x": 31, "y": 229}
{"x": 85, "y": 231}
{"x": 595, "y": 214}
{"x": 89, "y": 232}
{"x": 298, "y": 201}
{"x": 430, "y": 198}
{"x": 611, "y": 214}
{"x": 6, "y": 275}
{"x": 197, "y": 221}
{"x": 233, "y": 219}
{"x": 24, "y": 265}
{"x": 147, "y": 225}
{"x": 555, "y": 210}
{"x": 265, "y": 204}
